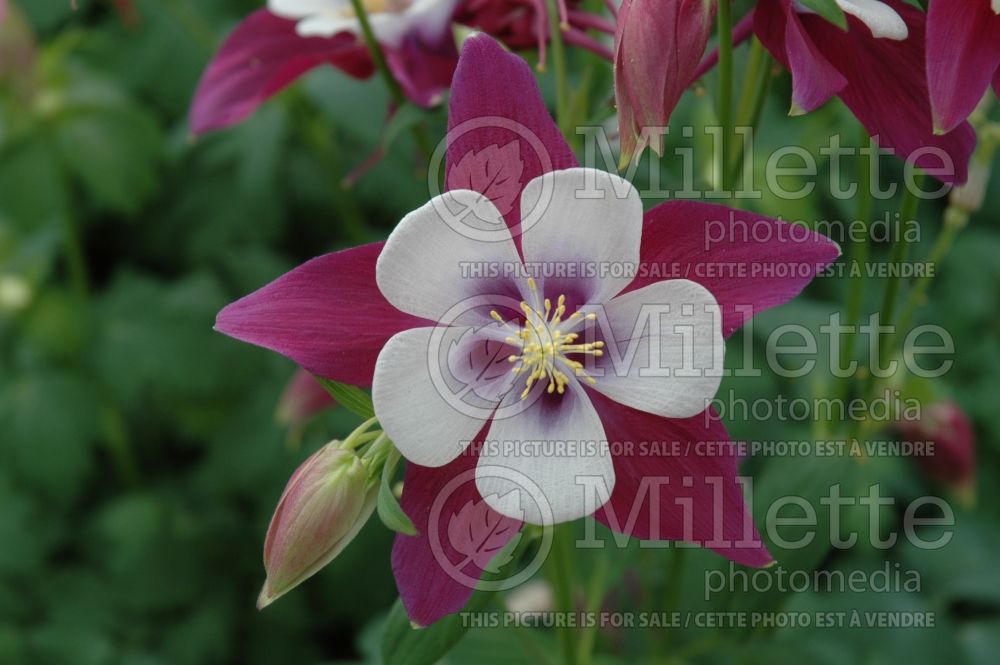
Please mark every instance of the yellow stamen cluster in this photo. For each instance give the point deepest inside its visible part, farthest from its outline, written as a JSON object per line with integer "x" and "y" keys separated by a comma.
{"x": 544, "y": 341}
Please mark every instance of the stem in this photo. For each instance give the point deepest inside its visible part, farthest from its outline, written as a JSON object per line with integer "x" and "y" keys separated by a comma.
{"x": 560, "y": 572}
{"x": 395, "y": 90}
{"x": 76, "y": 263}
{"x": 725, "y": 19}
{"x": 750, "y": 76}
{"x": 860, "y": 255}
{"x": 751, "y": 106}
{"x": 898, "y": 254}
{"x": 900, "y": 251}
{"x": 360, "y": 435}
{"x": 595, "y": 598}
{"x": 322, "y": 139}
{"x": 559, "y": 69}
{"x": 378, "y": 57}
{"x": 954, "y": 220}
{"x": 678, "y": 556}
{"x": 119, "y": 446}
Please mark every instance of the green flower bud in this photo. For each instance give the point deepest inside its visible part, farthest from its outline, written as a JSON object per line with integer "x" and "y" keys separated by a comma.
{"x": 325, "y": 504}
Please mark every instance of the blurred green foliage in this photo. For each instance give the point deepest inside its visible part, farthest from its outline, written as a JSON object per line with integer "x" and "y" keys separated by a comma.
{"x": 139, "y": 456}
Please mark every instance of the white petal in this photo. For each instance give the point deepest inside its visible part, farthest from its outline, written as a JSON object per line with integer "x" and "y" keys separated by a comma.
{"x": 416, "y": 405}
{"x": 996, "y": 6}
{"x": 303, "y": 8}
{"x": 326, "y": 25}
{"x": 880, "y": 18}
{"x": 549, "y": 455}
{"x": 390, "y": 28}
{"x": 428, "y": 267}
{"x": 583, "y": 219}
{"x": 669, "y": 350}
{"x": 432, "y": 17}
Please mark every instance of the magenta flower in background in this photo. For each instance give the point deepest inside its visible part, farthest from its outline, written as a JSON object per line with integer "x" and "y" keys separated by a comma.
{"x": 368, "y": 314}
{"x": 963, "y": 57}
{"x": 877, "y": 67}
{"x": 524, "y": 24}
{"x": 273, "y": 47}
{"x": 302, "y": 398}
{"x": 953, "y": 462}
{"x": 650, "y": 79}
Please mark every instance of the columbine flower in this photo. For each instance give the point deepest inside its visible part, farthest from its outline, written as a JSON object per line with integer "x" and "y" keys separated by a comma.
{"x": 876, "y": 67}
{"x": 524, "y": 24}
{"x": 963, "y": 56}
{"x": 953, "y": 462}
{"x": 368, "y": 314}
{"x": 325, "y": 504}
{"x": 273, "y": 47}
{"x": 650, "y": 79}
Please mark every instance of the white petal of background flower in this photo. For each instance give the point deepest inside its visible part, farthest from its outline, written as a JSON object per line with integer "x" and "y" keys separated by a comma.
{"x": 303, "y": 8}
{"x": 880, "y": 18}
{"x": 325, "y": 18}
{"x": 420, "y": 268}
{"x": 592, "y": 217}
{"x": 570, "y": 419}
{"x": 671, "y": 374}
{"x": 425, "y": 426}
{"x": 996, "y": 6}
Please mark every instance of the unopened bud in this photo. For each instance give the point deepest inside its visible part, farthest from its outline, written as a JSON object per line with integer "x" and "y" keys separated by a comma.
{"x": 326, "y": 502}
{"x": 969, "y": 197}
{"x": 952, "y": 462}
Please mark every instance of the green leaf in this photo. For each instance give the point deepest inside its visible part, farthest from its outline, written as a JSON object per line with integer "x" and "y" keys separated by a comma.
{"x": 403, "y": 644}
{"x": 114, "y": 154}
{"x": 352, "y": 398}
{"x": 829, "y": 10}
{"x": 389, "y": 510}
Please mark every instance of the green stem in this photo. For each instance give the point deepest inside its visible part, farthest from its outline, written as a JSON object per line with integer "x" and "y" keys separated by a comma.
{"x": 678, "y": 556}
{"x": 900, "y": 250}
{"x": 859, "y": 256}
{"x": 758, "y": 82}
{"x": 318, "y": 135}
{"x": 378, "y": 57}
{"x": 725, "y": 22}
{"x": 560, "y": 571}
{"x": 119, "y": 446}
{"x": 897, "y": 256}
{"x": 955, "y": 220}
{"x": 596, "y": 591}
{"x": 559, "y": 69}
{"x": 76, "y": 263}
{"x": 382, "y": 65}
{"x": 360, "y": 435}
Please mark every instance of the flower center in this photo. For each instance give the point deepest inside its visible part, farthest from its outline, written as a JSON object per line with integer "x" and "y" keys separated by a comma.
{"x": 545, "y": 339}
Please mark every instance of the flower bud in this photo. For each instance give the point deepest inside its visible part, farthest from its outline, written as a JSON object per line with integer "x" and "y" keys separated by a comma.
{"x": 303, "y": 398}
{"x": 970, "y": 197}
{"x": 326, "y": 502}
{"x": 952, "y": 461}
{"x": 658, "y": 47}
